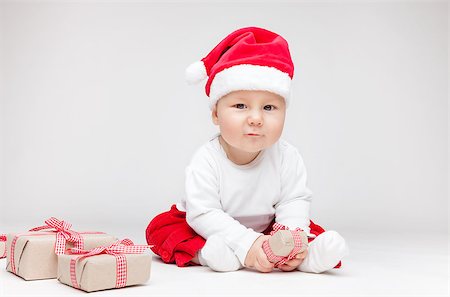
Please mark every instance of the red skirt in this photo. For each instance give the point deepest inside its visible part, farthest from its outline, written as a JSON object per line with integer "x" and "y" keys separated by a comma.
{"x": 176, "y": 242}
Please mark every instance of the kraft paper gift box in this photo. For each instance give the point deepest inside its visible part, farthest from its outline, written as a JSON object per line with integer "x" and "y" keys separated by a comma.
{"x": 116, "y": 266}
{"x": 33, "y": 255}
{"x": 284, "y": 244}
{"x": 2, "y": 246}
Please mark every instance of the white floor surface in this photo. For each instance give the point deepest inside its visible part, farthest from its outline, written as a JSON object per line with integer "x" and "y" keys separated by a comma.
{"x": 401, "y": 265}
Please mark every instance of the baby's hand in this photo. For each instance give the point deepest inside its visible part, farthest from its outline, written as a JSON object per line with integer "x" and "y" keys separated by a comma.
{"x": 256, "y": 258}
{"x": 293, "y": 263}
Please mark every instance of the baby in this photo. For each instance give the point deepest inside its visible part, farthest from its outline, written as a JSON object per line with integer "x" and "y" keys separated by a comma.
{"x": 245, "y": 178}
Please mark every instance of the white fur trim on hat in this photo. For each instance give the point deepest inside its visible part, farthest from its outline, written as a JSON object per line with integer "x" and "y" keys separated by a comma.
{"x": 196, "y": 72}
{"x": 249, "y": 77}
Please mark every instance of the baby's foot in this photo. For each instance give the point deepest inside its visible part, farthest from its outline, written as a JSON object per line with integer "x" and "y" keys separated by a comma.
{"x": 324, "y": 252}
{"x": 218, "y": 256}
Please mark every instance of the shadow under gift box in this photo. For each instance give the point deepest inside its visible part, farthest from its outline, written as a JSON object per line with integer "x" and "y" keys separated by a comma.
{"x": 34, "y": 254}
{"x": 99, "y": 272}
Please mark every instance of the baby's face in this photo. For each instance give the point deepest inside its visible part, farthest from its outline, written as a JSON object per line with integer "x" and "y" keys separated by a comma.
{"x": 250, "y": 121}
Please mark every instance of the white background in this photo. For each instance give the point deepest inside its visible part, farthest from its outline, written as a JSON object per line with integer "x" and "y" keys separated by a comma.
{"x": 97, "y": 123}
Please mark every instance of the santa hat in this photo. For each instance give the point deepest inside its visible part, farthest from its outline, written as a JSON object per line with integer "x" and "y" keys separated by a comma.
{"x": 248, "y": 59}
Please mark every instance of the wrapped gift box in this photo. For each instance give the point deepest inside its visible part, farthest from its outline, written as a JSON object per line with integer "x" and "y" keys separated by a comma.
{"x": 33, "y": 254}
{"x": 100, "y": 272}
{"x": 2, "y": 246}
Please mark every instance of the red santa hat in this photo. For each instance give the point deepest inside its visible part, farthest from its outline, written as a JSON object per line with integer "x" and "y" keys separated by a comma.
{"x": 248, "y": 59}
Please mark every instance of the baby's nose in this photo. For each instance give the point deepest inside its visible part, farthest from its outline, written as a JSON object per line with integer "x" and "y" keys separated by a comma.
{"x": 255, "y": 120}
{"x": 255, "y": 123}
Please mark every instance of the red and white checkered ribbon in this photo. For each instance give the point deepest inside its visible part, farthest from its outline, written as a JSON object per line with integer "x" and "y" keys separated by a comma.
{"x": 279, "y": 260}
{"x": 3, "y": 238}
{"x": 63, "y": 234}
{"x": 117, "y": 249}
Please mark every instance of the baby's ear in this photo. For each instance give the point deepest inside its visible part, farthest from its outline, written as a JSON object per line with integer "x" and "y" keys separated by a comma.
{"x": 214, "y": 116}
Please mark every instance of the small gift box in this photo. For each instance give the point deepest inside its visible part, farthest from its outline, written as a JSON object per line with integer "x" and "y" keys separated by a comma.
{"x": 2, "y": 246}
{"x": 33, "y": 255}
{"x": 284, "y": 244}
{"x": 118, "y": 265}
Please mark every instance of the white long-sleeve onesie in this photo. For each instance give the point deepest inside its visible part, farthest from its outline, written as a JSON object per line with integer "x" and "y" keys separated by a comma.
{"x": 238, "y": 202}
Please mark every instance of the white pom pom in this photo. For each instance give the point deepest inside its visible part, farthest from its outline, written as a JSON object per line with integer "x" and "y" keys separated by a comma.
{"x": 196, "y": 72}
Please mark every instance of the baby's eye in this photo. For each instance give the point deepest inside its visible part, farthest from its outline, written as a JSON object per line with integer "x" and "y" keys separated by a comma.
{"x": 239, "y": 106}
{"x": 269, "y": 107}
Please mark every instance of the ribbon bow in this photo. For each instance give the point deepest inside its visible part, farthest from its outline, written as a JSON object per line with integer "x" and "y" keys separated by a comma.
{"x": 298, "y": 245}
{"x": 63, "y": 234}
{"x": 3, "y": 238}
{"x": 117, "y": 249}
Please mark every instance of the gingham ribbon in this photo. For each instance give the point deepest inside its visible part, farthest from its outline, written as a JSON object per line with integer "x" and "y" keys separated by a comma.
{"x": 117, "y": 249}
{"x": 3, "y": 238}
{"x": 63, "y": 234}
{"x": 279, "y": 260}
